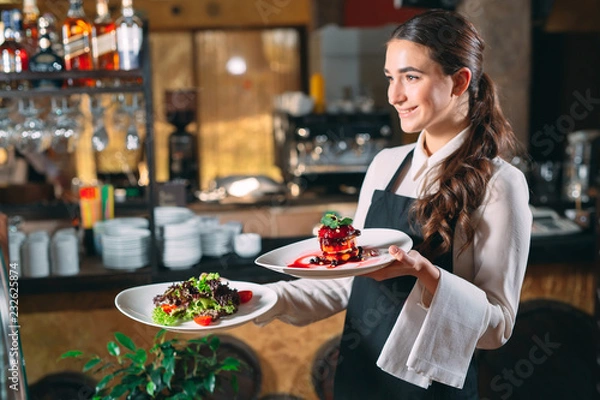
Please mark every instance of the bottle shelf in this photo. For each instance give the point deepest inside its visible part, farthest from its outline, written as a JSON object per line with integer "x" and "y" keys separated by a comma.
{"x": 113, "y": 76}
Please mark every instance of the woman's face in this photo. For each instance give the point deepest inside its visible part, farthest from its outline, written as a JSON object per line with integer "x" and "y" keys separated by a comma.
{"x": 418, "y": 88}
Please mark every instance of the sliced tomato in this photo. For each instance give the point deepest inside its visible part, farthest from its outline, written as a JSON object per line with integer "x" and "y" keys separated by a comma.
{"x": 168, "y": 308}
{"x": 245, "y": 296}
{"x": 203, "y": 320}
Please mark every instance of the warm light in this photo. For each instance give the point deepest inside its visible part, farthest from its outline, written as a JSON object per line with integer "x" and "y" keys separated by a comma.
{"x": 236, "y": 65}
{"x": 243, "y": 187}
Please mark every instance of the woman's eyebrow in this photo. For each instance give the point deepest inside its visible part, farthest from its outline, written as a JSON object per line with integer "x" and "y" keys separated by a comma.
{"x": 404, "y": 70}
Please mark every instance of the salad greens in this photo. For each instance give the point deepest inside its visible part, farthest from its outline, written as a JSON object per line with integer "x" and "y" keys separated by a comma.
{"x": 207, "y": 296}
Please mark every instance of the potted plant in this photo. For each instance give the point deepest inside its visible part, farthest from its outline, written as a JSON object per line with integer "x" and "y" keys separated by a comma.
{"x": 171, "y": 369}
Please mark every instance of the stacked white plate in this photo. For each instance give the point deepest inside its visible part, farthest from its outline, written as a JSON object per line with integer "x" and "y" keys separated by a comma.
{"x": 15, "y": 242}
{"x": 171, "y": 215}
{"x": 34, "y": 255}
{"x": 181, "y": 246}
{"x": 125, "y": 248}
{"x": 101, "y": 226}
{"x": 64, "y": 252}
{"x": 216, "y": 241}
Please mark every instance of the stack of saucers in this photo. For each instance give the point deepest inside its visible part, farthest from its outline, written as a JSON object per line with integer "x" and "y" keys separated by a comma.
{"x": 101, "y": 226}
{"x": 181, "y": 244}
{"x": 125, "y": 248}
{"x": 170, "y": 215}
{"x": 216, "y": 241}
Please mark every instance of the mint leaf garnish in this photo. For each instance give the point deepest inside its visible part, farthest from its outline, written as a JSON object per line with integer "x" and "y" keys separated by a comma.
{"x": 333, "y": 220}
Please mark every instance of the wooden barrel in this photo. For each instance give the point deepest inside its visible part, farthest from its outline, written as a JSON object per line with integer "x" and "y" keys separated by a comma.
{"x": 551, "y": 355}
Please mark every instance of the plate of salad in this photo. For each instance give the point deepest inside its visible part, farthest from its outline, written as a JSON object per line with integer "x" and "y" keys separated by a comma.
{"x": 198, "y": 305}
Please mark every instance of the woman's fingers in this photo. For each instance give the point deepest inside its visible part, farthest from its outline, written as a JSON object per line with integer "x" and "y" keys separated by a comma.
{"x": 401, "y": 255}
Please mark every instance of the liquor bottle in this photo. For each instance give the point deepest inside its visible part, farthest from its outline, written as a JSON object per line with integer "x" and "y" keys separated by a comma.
{"x": 46, "y": 60}
{"x": 31, "y": 14}
{"x": 13, "y": 57}
{"x": 104, "y": 39}
{"x": 76, "y": 36}
{"x": 129, "y": 37}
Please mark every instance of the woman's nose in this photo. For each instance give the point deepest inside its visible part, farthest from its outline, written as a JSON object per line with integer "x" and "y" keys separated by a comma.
{"x": 396, "y": 93}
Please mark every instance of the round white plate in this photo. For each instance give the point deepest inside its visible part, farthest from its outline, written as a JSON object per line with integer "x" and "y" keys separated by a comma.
{"x": 371, "y": 238}
{"x": 136, "y": 303}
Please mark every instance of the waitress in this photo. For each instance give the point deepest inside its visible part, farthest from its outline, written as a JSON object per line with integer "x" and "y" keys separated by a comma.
{"x": 411, "y": 328}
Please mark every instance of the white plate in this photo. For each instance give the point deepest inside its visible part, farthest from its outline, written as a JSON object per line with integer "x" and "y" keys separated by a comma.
{"x": 371, "y": 238}
{"x": 136, "y": 303}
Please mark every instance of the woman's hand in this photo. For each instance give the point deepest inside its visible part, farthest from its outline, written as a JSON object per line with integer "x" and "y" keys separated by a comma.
{"x": 411, "y": 263}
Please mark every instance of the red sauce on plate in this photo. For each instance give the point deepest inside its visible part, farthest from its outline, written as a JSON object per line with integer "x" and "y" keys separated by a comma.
{"x": 313, "y": 260}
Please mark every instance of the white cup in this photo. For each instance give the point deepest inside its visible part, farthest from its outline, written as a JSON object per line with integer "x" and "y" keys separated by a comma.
{"x": 247, "y": 245}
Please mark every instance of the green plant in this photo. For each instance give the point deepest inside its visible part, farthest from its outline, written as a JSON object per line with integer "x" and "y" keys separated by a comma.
{"x": 171, "y": 369}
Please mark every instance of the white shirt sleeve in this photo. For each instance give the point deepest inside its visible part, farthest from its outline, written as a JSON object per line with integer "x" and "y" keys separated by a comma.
{"x": 305, "y": 301}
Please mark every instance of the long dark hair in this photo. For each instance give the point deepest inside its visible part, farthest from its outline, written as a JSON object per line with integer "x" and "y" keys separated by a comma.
{"x": 454, "y": 43}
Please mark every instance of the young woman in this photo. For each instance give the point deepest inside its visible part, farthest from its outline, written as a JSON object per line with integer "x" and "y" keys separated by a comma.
{"x": 411, "y": 328}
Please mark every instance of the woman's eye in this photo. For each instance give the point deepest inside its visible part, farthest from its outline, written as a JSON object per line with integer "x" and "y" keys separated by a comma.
{"x": 388, "y": 78}
{"x": 411, "y": 77}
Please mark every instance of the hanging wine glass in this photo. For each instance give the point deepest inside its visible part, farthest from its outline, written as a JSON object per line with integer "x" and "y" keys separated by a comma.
{"x": 132, "y": 138}
{"x": 100, "y": 137}
{"x": 6, "y": 129}
{"x": 65, "y": 126}
{"x": 32, "y": 136}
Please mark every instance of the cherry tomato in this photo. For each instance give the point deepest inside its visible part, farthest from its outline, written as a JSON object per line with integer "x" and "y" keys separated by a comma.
{"x": 245, "y": 296}
{"x": 168, "y": 308}
{"x": 203, "y": 320}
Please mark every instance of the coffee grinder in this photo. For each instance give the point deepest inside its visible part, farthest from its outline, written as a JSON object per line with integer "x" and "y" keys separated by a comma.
{"x": 181, "y": 110}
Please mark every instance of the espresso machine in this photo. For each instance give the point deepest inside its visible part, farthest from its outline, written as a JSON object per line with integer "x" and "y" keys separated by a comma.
{"x": 329, "y": 152}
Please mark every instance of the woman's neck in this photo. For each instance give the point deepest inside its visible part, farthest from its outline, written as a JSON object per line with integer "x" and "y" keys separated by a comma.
{"x": 435, "y": 139}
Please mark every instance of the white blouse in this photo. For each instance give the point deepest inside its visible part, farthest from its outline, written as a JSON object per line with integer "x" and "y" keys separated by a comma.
{"x": 475, "y": 306}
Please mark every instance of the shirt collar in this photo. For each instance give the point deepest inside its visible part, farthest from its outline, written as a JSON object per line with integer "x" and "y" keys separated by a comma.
{"x": 421, "y": 162}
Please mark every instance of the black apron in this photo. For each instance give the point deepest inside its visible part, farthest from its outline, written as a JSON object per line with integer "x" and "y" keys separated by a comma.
{"x": 372, "y": 311}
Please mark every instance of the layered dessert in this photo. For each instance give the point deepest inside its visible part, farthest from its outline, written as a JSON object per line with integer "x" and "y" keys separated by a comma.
{"x": 337, "y": 240}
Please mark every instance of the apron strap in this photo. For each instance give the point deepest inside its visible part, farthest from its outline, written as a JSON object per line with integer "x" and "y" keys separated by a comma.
{"x": 406, "y": 160}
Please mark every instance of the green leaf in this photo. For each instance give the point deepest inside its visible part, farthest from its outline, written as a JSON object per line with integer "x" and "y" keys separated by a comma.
{"x": 150, "y": 388}
{"x": 210, "y": 382}
{"x": 113, "y": 349}
{"x": 230, "y": 364}
{"x": 346, "y": 221}
{"x": 71, "y": 354}
{"x": 234, "y": 383}
{"x": 215, "y": 342}
{"x": 160, "y": 334}
{"x": 118, "y": 391}
{"x": 90, "y": 364}
{"x": 167, "y": 378}
{"x": 133, "y": 380}
{"x": 104, "y": 381}
{"x": 334, "y": 220}
{"x": 125, "y": 341}
{"x": 190, "y": 388}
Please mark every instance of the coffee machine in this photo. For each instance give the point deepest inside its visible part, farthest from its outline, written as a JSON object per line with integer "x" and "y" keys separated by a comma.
{"x": 330, "y": 151}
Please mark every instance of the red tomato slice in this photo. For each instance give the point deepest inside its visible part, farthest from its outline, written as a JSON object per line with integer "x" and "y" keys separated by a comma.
{"x": 245, "y": 296}
{"x": 203, "y": 320}
{"x": 168, "y": 308}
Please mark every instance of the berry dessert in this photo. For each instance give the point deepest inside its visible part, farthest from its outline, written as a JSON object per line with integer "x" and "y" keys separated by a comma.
{"x": 337, "y": 239}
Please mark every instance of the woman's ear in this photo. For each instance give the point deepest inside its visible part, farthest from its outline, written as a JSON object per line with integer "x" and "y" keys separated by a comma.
{"x": 461, "y": 79}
